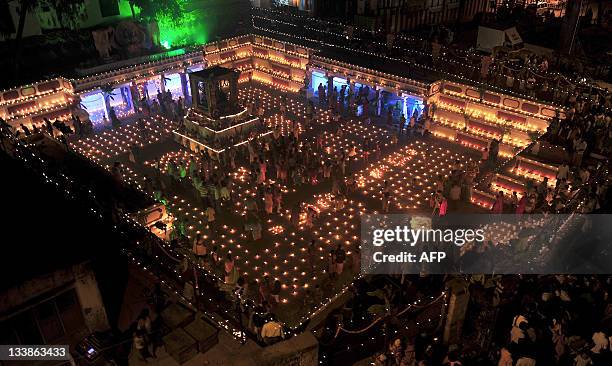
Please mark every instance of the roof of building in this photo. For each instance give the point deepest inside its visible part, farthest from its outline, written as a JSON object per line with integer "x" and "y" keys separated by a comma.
{"x": 382, "y": 64}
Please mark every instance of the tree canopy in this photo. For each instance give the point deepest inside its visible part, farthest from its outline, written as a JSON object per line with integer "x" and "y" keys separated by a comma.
{"x": 152, "y": 9}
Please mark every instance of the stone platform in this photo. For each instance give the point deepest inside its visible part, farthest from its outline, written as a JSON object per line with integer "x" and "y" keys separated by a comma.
{"x": 201, "y": 132}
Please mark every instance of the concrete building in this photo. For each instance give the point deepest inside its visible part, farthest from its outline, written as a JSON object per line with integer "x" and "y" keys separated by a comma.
{"x": 59, "y": 307}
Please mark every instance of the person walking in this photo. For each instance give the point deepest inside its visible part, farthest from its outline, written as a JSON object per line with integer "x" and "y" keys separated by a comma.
{"x": 340, "y": 258}
{"x": 141, "y": 346}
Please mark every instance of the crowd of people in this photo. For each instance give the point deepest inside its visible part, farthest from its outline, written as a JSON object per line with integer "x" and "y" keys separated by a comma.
{"x": 549, "y": 326}
{"x": 57, "y": 129}
{"x": 164, "y": 104}
{"x": 549, "y": 330}
{"x": 283, "y": 159}
{"x": 524, "y": 72}
{"x": 541, "y": 321}
{"x": 583, "y": 141}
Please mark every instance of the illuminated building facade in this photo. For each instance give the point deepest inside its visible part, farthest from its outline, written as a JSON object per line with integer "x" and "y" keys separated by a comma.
{"x": 465, "y": 114}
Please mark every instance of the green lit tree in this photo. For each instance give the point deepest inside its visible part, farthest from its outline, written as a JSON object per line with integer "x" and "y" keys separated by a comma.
{"x": 25, "y": 6}
{"x": 151, "y": 9}
{"x": 68, "y": 12}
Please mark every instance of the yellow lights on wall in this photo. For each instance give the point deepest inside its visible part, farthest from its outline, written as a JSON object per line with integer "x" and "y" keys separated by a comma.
{"x": 495, "y": 105}
{"x": 238, "y": 56}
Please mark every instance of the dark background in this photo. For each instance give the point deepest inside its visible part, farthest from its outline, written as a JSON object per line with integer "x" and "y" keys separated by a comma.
{"x": 44, "y": 232}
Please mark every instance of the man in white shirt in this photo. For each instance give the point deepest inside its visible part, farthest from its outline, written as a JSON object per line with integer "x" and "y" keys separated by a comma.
{"x": 563, "y": 170}
{"x": 579, "y": 147}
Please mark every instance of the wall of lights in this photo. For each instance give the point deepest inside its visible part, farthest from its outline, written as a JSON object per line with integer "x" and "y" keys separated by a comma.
{"x": 475, "y": 117}
{"x": 29, "y": 104}
{"x": 263, "y": 59}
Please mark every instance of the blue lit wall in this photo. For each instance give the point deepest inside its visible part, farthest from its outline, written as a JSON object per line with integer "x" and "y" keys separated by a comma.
{"x": 318, "y": 78}
{"x": 413, "y": 104}
{"x": 153, "y": 85}
{"x": 93, "y": 103}
{"x": 174, "y": 85}
{"x": 338, "y": 82}
{"x": 393, "y": 102}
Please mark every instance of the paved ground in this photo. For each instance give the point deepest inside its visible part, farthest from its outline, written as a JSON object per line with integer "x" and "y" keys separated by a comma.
{"x": 410, "y": 167}
{"x": 223, "y": 353}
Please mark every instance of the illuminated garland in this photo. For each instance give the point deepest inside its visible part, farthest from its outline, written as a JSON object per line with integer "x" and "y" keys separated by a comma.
{"x": 442, "y": 48}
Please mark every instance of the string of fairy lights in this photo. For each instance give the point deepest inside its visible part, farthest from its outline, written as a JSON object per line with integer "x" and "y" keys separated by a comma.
{"x": 108, "y": 147}
{"x": 64, "y": 183}
{"x": 328, "y": 231}
{"x": 178, "y": 204}
{"x": 443, "y": 49}
{"x": 336, "y": 221}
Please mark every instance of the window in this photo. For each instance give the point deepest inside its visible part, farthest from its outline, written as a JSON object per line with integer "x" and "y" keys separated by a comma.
{"x": 49, "y": 322}
{"x": 45, "y": 323}
{"x": 26, "y": 328}
{"x": 69, "y": 311}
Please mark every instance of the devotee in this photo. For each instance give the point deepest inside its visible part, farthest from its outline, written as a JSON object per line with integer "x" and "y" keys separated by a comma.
{"x": 498, "y": 205}
{"x": 331, "y": 265}
{"x": 275, "y": 292}
{"x": 272, "y": 331}
{"x": 514, "y": 201}
{"x": 141, "y": 346}
{"x": 402, "y": 123}
{"x": 278, "y": 199}
{"x": 582, "y": 359}
{"x": 265, "y": 288}
{"x": 199, "y": 248}
{"x": 395, "y": 350}
{"x": 443, "y": 207}
{"x": 25, "y": 129}
{"x": 493, "y": 151}
{"x": 340, "y": 256}
{"x": 485, "y": 155}
{"x": 321, "y": 94}
{"x": 230, "y": 270}
{"x": 386, "y": 202}
{"x": 412, "y": 125}
{"x": 268, "y": 201}
{"x": 562, "y": 171}
{"x": 579, "y": 147}
{"x": 435, "y": 201}
{"x": 257, "y": 320}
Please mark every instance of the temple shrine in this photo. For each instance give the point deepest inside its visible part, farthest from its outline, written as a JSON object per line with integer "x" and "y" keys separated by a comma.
{"x": 217, "y": 121}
